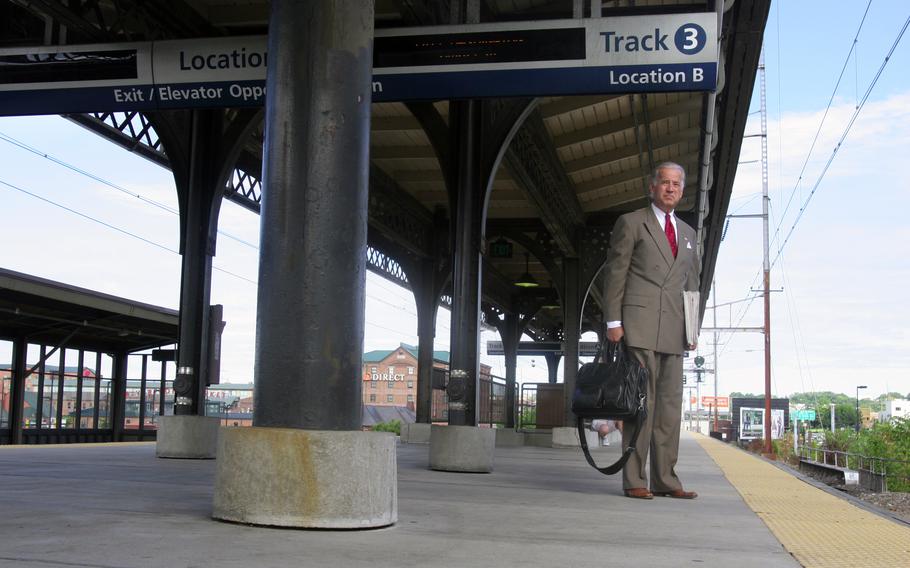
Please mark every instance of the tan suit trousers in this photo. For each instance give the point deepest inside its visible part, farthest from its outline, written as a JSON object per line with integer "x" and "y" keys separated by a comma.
{"x": 659, "y": 434}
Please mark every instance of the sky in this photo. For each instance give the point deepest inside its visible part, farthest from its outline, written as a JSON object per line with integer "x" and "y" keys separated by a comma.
{"x": 838, "y": 321}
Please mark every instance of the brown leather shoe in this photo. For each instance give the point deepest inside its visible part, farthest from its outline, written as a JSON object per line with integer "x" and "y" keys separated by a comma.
{"x": 677, "y": 494}
{"x": 639, "y": 493}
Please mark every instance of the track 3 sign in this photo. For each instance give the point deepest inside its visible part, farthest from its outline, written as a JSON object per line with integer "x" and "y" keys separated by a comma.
{"x": 671, "y": 52}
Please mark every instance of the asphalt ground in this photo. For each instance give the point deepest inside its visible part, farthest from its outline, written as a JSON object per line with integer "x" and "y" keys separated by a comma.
{"x": 116, "y": 505}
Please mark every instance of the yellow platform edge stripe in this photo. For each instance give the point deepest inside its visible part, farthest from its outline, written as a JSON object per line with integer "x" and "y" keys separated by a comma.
{"x": 818, "y": 529}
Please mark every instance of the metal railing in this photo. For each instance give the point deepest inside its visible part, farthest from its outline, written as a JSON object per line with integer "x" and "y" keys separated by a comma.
{"x": 541, "y": 406}
{"x": 492, "y": 402}
{"x": 885, "y": 468}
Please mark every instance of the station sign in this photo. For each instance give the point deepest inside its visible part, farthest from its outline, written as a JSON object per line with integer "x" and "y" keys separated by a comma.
{"x": 635, "y": 54}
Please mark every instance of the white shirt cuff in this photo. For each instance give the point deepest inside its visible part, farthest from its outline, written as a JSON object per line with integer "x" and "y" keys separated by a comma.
{"x": 612, "y": 324}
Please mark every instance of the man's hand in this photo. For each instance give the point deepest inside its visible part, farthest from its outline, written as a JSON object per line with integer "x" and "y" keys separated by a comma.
{"x": 615, "y": 334}
{"x": 692, "y": 346}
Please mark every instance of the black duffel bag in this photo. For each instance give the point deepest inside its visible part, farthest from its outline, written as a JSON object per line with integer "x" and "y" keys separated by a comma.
{"x": 612, "y": 389}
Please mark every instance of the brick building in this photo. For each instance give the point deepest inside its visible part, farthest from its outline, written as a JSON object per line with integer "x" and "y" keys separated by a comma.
{"x": 390, "y": 376}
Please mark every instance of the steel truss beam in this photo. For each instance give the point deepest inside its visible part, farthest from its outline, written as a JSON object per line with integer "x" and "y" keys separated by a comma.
{"x": 532, "y": 160}
{"x": 408, "y": 222}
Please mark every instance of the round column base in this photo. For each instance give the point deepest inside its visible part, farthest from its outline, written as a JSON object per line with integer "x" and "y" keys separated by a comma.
{"x": 317, "y": 479}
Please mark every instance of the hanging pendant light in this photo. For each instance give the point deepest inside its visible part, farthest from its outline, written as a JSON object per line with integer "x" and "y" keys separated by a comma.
{"x": 526, "y": 280}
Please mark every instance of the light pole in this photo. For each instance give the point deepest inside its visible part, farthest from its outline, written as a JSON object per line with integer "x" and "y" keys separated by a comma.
{"x": 857, "y": 406}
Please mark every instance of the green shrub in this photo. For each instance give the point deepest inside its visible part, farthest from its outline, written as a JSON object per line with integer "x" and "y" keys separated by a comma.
{"x": 889, "y": 441}
{"x": 390, "y": 426}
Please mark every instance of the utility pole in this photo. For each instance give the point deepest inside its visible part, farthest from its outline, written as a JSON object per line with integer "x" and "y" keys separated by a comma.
{"x": 767, "y": 262}
{"x": 714, "y": 296}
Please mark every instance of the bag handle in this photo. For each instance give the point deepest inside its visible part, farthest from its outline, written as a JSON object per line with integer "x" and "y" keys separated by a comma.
{"x": 627, "y": 453}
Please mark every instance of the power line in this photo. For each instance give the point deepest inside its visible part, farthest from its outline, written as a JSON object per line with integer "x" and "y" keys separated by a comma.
{"x": 99, "y": 179}
{"x": 824, "y": 116}
{"x": 844, "y": 136}
{"x": 113, "y": 227}
{"x": 836, "y": 148}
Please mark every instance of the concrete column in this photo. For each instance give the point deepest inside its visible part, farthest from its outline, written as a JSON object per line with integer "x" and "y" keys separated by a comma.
{"x": 309, "y": 329}
{"x": 305, "y": 463}
{"x": 466, "y": 122}
{"x": 571, "y": 330}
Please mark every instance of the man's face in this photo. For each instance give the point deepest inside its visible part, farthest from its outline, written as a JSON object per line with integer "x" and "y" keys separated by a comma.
{"x": 667, "y": 189}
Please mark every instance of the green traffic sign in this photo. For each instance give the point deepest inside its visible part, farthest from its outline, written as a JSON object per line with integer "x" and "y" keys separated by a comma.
{"x": 804, "y": 415}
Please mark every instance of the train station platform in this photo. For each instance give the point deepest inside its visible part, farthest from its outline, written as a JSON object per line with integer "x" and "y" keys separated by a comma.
{"x": 116, "y": 505}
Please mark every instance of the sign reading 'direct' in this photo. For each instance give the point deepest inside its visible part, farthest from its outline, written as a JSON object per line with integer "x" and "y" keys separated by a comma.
{"x": 636, "y": 54}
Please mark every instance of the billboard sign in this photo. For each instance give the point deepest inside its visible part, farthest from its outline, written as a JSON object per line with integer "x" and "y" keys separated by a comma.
{"x": 718, "y": 401}
{"x": 752, "y": 423}
{"x": 635, "y": 54}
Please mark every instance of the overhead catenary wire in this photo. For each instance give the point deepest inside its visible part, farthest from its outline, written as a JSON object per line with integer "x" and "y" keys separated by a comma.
{"x": 843, "y": 136}
{"x": 148, "y": 201}
{"x": 824, "y": 116}
{"x": 833, "y": 155}
{"x": 101, "y": 180}
{"x": 112, "y": 227}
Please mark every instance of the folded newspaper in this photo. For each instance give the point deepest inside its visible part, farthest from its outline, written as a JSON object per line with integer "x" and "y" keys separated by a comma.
{"x": 691, "y": 308}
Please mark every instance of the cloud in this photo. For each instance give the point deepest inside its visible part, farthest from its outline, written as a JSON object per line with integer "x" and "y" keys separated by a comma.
{"x": 842, "y": 269}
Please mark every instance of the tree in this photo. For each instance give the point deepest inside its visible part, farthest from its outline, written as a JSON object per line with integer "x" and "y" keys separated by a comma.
{"x": 844, "y": 415}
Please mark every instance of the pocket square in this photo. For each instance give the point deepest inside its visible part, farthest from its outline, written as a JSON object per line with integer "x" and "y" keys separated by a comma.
{"x": 688, "y": 245}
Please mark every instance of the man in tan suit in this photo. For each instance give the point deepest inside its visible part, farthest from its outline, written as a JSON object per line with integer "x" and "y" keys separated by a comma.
{"x": 652, "y": 259}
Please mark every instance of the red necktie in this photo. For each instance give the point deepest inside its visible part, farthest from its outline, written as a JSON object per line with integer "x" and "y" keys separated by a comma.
{"x": 671, "y": 234}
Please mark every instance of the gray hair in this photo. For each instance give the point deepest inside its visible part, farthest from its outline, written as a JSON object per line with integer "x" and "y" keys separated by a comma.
{"x": 667, "y": 166}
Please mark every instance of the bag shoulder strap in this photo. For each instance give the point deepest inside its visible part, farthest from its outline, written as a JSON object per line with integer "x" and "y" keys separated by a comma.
{"x": 627, "y": 453}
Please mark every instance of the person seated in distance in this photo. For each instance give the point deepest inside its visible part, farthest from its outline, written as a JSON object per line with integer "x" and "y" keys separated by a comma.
{"x": 604, "y": 427}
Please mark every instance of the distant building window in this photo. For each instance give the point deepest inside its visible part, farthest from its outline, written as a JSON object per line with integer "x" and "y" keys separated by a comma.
{"x": 372, "y": 384}
{"x": 389, "y": 398}
{"x": 390, "y": 384}
{"x": 410, "y": 398}
{"x": 372, "y": 398}
{"x": 372, "y": 369}
{"x": 410, "y": 370}
{"x": 410, "y": 384}
{"x": 391, "y": 371}
{"x": 401, "y": 354}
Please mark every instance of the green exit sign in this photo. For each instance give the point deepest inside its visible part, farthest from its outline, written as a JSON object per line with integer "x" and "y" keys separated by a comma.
{"x": 500, "y": 248}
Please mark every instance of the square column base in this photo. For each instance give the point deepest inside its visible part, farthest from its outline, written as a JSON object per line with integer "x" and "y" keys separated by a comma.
{"x": 415, "y": 433}
{"x": 466, "y": 449}
{"x": 187, "y": 437}
{"x": 565, "y": 437}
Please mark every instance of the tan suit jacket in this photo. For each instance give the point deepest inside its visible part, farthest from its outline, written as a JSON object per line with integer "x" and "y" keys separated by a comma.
{"x": 645, "y": 283}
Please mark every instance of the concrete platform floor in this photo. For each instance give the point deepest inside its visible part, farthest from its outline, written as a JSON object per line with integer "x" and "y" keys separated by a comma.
{"x": 116, "y": 505}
